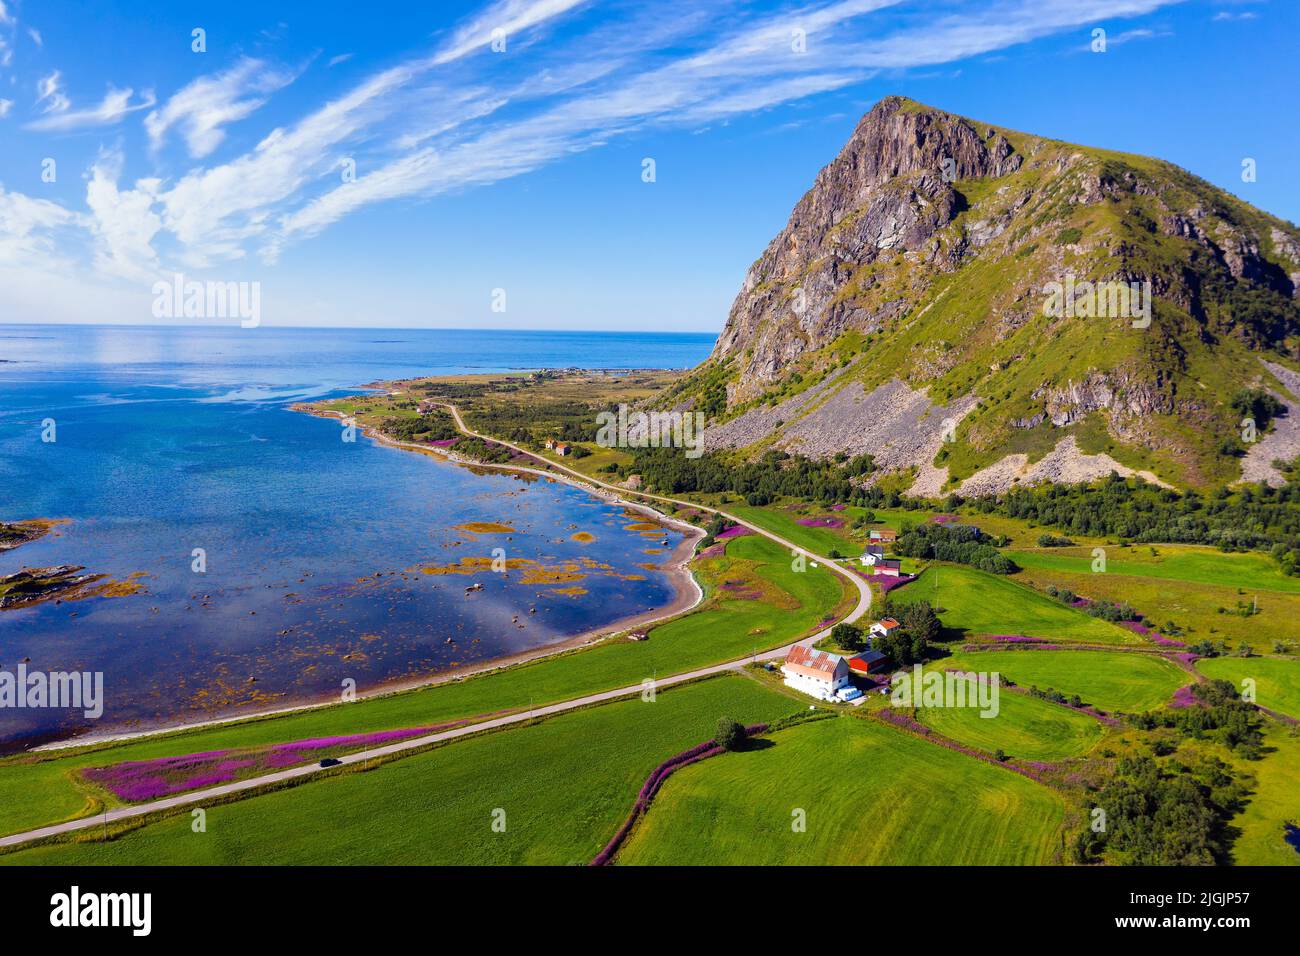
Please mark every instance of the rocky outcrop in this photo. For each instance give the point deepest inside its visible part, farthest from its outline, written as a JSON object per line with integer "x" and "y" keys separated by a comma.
{"x": 921, "y": 262}
{"x": 889, "y": 190}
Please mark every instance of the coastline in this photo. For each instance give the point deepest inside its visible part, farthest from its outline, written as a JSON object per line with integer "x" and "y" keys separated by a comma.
{"x": 687, "y": 592}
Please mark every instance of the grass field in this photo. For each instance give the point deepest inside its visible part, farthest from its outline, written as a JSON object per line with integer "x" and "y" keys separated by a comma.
{"x": 1111, "y": 680}
{"x": 34, "y": 792}
{"x": 871, "y": 795}
{"x": 974, "y": 603}
{"x": 1196, "y": 565}
{"x": 1274, "y": 803}
{"x": 1193, "y": 606}
{"x": 565, "y": 784}
{"x": 1024, "y": 727}
{"x": 1277, "y": 681}
{"x": 817, "y": 540}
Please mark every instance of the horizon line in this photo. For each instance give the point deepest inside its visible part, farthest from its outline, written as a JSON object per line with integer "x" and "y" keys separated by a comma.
{"x": 327, "y": 328}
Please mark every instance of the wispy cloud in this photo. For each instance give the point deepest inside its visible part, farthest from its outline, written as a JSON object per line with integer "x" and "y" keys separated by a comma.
{"x": 49, "y": 95}
{"x": 115, "y": 105}
{"x": 507, "y": 16}
{"x": 207, "y": 104}
{"x": 458, "y": 116}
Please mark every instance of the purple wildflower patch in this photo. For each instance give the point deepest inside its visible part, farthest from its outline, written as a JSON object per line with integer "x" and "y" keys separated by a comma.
{"x": 134, "y": 781}
{"x": 821, "y": 522}
{"x": 1184, "y": 697}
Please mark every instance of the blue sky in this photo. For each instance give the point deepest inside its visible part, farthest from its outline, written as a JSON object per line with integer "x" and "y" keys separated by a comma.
{"x": 521, "y": 169}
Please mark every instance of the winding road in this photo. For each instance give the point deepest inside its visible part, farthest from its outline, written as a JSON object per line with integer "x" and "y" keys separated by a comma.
{"x": 362, "y": 757}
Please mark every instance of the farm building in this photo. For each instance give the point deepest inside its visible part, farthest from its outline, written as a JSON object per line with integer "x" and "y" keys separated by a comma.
{"x": 891, "y": 566}
{"x": 868, "y": 662}
{"x": 559, "y": 447}
{"x": 883, "y": 536}
{"x": 816, "y": 673}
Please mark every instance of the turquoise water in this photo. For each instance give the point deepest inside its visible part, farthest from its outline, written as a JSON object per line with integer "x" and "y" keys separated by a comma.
{"x": 174, "y": 439}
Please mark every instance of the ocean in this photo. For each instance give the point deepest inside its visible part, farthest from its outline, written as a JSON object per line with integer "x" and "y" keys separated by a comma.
{"x": 170, "y": 442}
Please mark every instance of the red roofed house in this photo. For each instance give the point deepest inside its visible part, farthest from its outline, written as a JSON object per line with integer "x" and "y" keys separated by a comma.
{"x": 882, "y": 627}
{"x": 882, "y": 535}
{"x": 816, "y": 673}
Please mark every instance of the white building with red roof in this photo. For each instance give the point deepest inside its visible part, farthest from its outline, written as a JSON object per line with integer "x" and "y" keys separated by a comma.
{"x": 815, "y": 673}
{"x": 882, "y": 627}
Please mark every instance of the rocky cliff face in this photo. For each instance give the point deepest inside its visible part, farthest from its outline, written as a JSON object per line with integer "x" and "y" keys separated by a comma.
{"x": 923, "y": 255}
{"x": 890, "y": 189}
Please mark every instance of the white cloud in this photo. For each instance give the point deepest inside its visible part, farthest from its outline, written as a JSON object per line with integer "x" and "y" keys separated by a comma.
{"x": 509, "y": 16}
{"x": 27, "y": 228}
{"x": 421, "y": 128}
{"x": 5, "y": 17}
{"x": 5, "y": 107}
{"x": 123, "y": 222}
{"x": 35, "y": 34}
{"x": 341, "y": 58}
{"x": 49, "y": 93}
{"x": 115, "y": 105}
{"x": 211, "y": 102}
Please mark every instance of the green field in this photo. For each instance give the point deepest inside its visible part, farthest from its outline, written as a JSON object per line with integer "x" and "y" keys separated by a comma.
{"x": 1277, "y": 680}
{"x": 1121, "y": 681}
{"x": 974, "y": 603}
{"x": 1274, "y": 803}
{"x": 36, "y": 791}
{"x": 1189, "y": 563}
{"x": 565, "y": 784}
{"x": 1024, "y": 727}
{"x": 871, "y": 794}
{"x": 817, "y": 540}
{"x": 1195, "y": 607}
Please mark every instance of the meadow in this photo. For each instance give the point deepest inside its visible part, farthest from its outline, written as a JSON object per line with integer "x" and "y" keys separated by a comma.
{"x": 1168, "y": 562}
{"x": 972, "y": 602}
{"x": 1273, "y": 804}
{"x": 1201, "y": 611}
{"x": 562, "y": 787}
{"x": 1024, "y": 727}
{"x": 871, "y": 795}
{"x": 35, "y": 790}
{"x": 1277, "y": 680}
{"x": 1115, "y": 681}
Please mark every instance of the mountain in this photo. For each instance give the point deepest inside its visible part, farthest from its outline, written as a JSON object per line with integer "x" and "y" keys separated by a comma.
{"x": 947, "y": 297}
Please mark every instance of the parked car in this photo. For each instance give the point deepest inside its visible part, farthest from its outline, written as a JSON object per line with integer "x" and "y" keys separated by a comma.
{"x": 331, "y": 762}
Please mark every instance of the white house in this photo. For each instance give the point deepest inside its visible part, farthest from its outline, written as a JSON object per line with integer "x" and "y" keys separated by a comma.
{"x": 872, "y": 554}
{"x": 815, "y": 673}
{"x": 882, "y": 627}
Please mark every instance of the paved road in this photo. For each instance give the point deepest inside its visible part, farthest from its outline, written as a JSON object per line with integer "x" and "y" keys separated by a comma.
{"x": 212, "y": 793}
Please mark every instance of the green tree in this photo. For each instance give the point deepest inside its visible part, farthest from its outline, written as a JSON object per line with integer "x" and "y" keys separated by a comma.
{"x": 731, "y": 734}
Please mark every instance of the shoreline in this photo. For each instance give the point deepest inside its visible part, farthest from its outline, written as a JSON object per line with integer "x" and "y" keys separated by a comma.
{"x": 687, "y": 595}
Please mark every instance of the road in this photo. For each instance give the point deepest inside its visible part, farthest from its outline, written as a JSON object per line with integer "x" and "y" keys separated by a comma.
{"x": 295, "y": 773}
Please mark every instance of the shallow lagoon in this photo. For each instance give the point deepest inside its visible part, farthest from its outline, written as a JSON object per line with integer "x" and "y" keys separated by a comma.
{"x": 172, "y": 440}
